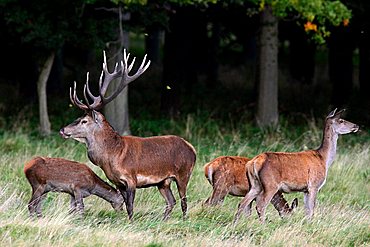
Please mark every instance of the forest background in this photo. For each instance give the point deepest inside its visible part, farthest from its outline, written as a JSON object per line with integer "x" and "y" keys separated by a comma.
{"x": 232, "y": 77}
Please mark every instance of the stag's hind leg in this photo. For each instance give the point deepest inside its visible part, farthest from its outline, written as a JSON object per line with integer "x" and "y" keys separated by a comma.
{"x": 181, "y": 187}
{"x": 165, "y": 190}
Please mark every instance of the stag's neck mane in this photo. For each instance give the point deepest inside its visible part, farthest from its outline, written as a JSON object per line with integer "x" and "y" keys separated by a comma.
{"x": 328, "y": 147}
{"x": 102, "y": 144}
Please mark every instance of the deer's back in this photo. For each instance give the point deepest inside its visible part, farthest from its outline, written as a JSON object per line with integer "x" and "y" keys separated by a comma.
{"x": 293, "y": 170}
{"x": 159, "y": 152}
{"x": 58, "y": 172}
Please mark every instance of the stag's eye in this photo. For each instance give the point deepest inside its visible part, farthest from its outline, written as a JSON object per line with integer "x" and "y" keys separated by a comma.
{"x": 83, "y": 121}
{"x": 341, "y": 120}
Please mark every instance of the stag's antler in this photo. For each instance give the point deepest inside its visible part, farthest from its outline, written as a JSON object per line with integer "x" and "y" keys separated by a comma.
{"x": 121, "y": 70}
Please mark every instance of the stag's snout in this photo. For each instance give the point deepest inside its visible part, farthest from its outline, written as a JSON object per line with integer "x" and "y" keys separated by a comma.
{"x": 64, "y": 134}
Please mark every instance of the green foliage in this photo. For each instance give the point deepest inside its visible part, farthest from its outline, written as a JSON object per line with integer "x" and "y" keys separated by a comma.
{"x": 315, "y": 16}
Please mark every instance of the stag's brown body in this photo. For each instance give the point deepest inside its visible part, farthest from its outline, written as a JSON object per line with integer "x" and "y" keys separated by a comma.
{"x": 131, "y": 162}
{"x": 227, "y": 175}
{"x": 304, "y": 171}
{"x": 60, "y": 175}
{"x": 134, "y": 162}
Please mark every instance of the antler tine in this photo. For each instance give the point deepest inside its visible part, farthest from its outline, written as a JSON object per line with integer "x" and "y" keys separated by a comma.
{"x": 144, "y": 66}
{"x": 97, "y": 102}
{"x": 74, "y": 99}
{"x": 108, "y": 77}
{"x": 126, "y": 79}
{"x": 120, "y": 70}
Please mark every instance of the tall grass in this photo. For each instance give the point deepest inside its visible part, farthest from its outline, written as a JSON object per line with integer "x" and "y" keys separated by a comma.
{"x": 342, "y": 216}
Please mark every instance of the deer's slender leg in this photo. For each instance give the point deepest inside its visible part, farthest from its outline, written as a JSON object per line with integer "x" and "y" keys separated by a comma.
{"x": 79, "y": 201}
{"x": 220, "y": 191}
{"x": 181, "y": 186}
{"x": 246, "y": 203}
{"x": 309, "y": 202}
{"x": 34, "y": 205}
{"x": 262, "y": 201}
{"x": 165, "y": 190}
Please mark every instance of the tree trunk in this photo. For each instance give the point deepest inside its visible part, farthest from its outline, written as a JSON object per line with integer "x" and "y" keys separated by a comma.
{"x": 117, "y": 112}
{"x": 267, "y": 108}
{"x": 42, "y": 95}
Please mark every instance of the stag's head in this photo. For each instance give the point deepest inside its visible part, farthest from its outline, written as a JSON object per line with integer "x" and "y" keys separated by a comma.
{"x": 339, "y": 125}
{"x": 93, "y": 120}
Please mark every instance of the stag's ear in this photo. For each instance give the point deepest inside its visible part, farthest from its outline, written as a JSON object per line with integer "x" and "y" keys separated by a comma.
{"x": 98, "y": 117}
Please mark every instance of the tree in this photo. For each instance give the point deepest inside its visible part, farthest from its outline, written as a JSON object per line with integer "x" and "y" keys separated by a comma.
{"x": 267, "y": 106}
{"x": 45, "y": 27}
{"x": 314, "y": 16}
{"x": 117, "y": 112}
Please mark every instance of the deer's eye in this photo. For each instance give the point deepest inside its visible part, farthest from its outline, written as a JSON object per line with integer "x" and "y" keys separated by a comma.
{"x": 83, "y": 121}
{"x": 341, "y": 120}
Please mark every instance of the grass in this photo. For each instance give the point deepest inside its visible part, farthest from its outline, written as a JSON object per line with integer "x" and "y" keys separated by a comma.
{"x": 342, "y": 215}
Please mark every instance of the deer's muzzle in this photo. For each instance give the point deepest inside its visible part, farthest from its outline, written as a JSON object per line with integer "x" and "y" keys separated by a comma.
{"x": 64, "y": 134}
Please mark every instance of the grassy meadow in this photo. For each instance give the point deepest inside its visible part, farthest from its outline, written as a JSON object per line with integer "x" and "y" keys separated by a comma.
{"x": 342, "y": 215}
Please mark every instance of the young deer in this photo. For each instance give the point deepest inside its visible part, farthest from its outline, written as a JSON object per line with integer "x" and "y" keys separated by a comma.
{"x": 227, "y": 175}
{"x": 61, "y": 175}
{"x": 131, "y": 162}
{"x": 304, "y": 171}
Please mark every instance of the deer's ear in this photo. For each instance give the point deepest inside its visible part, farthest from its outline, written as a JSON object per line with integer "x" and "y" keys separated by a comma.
{"x": 335, "y": 114}
{"x": 339, "y": 113}
{"x": 98, "y": 117}
{"x": 332, "y": 113}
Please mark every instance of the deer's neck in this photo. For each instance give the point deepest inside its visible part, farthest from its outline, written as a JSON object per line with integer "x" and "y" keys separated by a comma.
{"x": 328, "y": 147}
{"x": 105, "y": 191}
{"x": 103, "y": 145}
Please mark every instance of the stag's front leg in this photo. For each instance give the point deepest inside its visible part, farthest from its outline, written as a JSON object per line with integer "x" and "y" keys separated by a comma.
{"x": 128, "y": 190}
{"x": 309, "y": 202}
{"x": 130, "y": 193}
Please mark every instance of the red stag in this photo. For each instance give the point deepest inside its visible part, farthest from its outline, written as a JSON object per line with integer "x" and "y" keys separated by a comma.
{"x": 131, "y": 162}
{"x": 304, "y": 171}
{"x": 227, "y": 175}
{"x": 61, "y": 175}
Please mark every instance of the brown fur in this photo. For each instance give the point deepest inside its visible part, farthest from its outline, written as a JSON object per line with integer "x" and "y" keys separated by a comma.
{"x": 304, "y": 171}
{"x": 61, "y": 175}
{"x": 227, "y": 175}
{"x": 134, "y": 162}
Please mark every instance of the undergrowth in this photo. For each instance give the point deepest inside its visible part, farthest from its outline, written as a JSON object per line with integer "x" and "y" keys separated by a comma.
{"x": 342, "y": 216}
